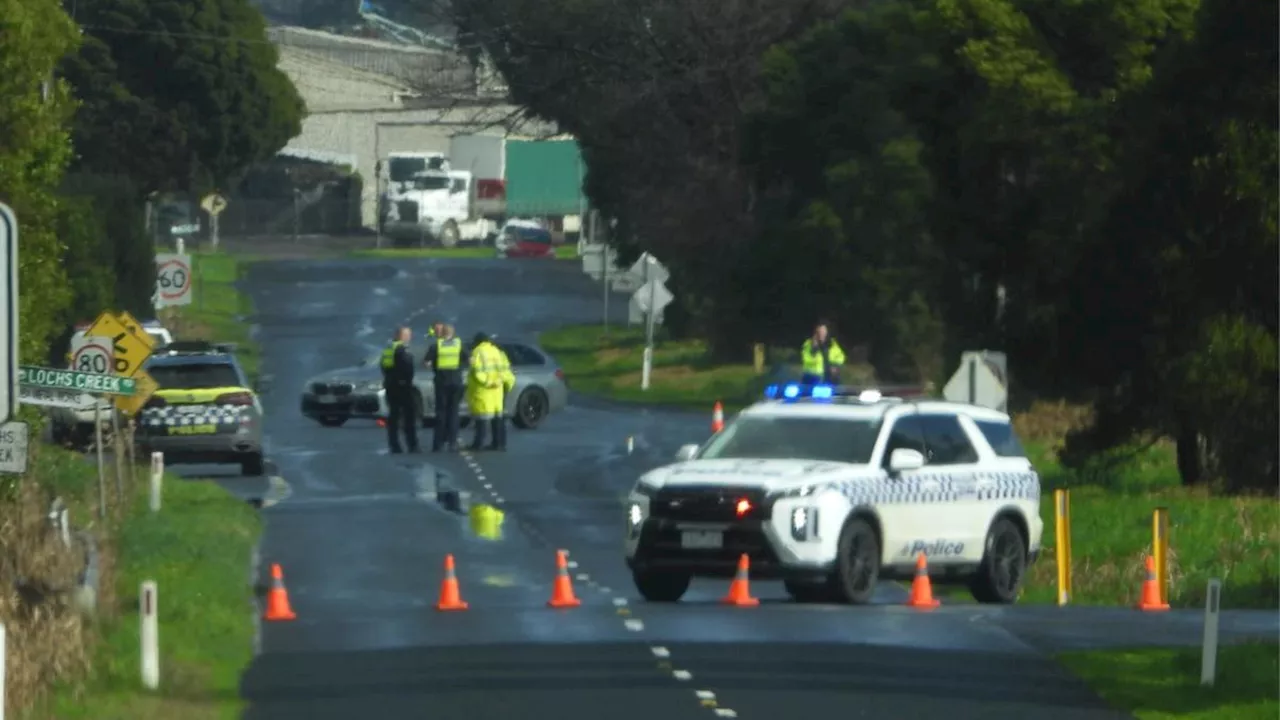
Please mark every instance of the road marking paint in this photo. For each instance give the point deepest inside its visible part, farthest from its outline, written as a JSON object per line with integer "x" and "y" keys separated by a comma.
{"x": 706, "y": 697}
{"x": 634, "y": 625}
{"x": 604, "y": 589}
{"x": 660, "y": 651}
{"x": 618, "y": 602}
{"x": 488, "y": 486}
{"x": 480, "y": 475}
{"x": 582, "y": 576}
{"x": 624, "y": 611}
{"x": 682, "y": 675}
{"x": 572, "y": 564}
{"x": 725, "y": 712}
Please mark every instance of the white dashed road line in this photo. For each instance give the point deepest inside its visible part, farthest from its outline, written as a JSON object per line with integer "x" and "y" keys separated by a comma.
{"x": 706, "y": 698}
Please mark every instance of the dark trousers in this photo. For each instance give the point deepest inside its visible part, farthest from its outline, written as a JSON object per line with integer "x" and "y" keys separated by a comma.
{"x": 497, "y": 425}
{"x": 448, "y": 397}
{"x": 401, "y": 417}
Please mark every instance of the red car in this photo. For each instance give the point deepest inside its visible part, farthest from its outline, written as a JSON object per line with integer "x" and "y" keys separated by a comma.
{"x": 522, "y": 241}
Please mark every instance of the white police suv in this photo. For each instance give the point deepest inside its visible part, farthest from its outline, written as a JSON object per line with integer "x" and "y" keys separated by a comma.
{"x": 831, "y": 489}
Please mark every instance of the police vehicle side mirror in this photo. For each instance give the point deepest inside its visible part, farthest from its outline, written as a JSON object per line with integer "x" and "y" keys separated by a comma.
{"x": 686, "y": 452}
{"x": 905, "y": 459}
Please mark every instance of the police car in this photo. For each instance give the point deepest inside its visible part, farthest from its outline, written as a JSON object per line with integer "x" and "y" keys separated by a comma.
{"x": 833, "y": 489}
{"x": 205, "y": 411}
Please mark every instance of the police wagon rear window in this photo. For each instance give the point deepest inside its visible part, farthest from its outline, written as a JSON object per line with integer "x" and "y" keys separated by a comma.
{"x": 761, "y": 437}
{"x": 194, "y": 377}
{"x": 1002, "y": 438}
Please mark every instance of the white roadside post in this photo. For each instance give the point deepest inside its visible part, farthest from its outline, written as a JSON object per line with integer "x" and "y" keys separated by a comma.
{"x": 2, "y": 652}
{"x": 1209, "y": 649}
{"x": 150, "y": 635}
{"x": 157, "y": 478}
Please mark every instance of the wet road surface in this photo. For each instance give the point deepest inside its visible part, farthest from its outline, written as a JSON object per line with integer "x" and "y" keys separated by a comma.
{"x": 362, "y": 540}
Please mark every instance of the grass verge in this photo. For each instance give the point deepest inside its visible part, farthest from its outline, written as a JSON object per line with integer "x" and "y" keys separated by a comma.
{"x": 563, "y": 252}
{"x": 196, "y": 549}
{"x": 1112, "y": 496}
{"x": 1160, "y": 684}
{"x": 610, "y": 366}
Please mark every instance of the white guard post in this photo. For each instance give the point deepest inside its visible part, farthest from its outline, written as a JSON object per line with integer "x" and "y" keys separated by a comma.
{"x": 150, "y": 636}
{"x": 157, "y": 478}
{"x": 1209, "y": 651}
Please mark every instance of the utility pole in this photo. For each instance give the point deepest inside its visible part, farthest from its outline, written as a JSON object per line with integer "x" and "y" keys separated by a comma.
{"x": 604, "y": 254}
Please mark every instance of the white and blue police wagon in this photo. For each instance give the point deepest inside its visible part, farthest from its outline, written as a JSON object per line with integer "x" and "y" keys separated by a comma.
{"x": 832, "y": 489}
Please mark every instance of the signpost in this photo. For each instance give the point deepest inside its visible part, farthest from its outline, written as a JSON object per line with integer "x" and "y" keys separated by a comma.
{"x": 213, "y": 204}
{"x": 980, "y": 380}
{"x": 13, "y": 447}
{"x": 652, "y": 297}
{"x": 173, "y": 280}
{"x": 9, "y": 316}
{"x": 43, "y": 377}
{"x": 131, "y": 346}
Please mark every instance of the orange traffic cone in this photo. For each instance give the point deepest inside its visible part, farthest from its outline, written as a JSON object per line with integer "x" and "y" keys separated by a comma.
{"x": 562, "y": 592}
{"x": 450, "y": 596}
{"x": 921, "y": 588}
{"x": 278, "y": 598}
{"x": 1151, "y": 601}
{"x": 740, "y": 589}
{"x": 717, "y": 418}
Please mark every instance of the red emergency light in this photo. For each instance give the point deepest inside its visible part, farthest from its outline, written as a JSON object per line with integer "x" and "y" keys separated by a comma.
{"x": 743, "y": 507}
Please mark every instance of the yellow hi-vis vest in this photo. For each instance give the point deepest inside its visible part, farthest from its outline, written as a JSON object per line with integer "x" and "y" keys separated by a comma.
{"x": 448, "y": 354}
{"x": 389, "y": 355}
{"x": 811, "y": 357}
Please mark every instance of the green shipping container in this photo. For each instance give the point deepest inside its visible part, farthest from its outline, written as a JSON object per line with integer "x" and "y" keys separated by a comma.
{"x": 544, "y": 177}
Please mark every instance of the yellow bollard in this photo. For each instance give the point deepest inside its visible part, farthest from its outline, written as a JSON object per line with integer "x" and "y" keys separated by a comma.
{"x": 1062, "y": 530}
{"x": 757, "y": 357}
{"x": 1160, "y": 550}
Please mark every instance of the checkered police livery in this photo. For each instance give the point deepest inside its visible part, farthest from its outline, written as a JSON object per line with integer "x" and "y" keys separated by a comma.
{"x": 946, "y": 480}
{"x": 226, "y": 418}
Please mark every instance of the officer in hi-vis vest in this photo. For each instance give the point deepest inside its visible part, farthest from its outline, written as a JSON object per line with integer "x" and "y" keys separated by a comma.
{"x": 447, "y": 357}
{"x": 397, "y": 381}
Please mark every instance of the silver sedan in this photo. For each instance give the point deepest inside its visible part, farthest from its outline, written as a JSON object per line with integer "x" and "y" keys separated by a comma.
{"x": 539, "y": 391}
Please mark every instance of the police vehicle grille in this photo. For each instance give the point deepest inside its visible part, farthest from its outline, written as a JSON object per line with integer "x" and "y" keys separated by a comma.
{"x": 718, "y": 504}
{"x": 332, "y": 388}
{"x": 408, "y": 210}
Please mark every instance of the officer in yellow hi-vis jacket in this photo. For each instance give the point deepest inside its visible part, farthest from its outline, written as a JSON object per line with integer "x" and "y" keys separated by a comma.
{"x": 488, "y": 381}
{"x": 447, "y": 358}
{"x": 821, "y": 357}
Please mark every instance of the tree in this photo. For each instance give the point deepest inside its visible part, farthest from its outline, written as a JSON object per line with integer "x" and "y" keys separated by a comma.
{"x": 33, "y": 154}
{"x": 219, "y": 105}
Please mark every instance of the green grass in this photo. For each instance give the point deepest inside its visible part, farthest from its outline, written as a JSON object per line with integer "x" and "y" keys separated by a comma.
{"x": 196, "y": 550}
{"x": 563, "y": 252}
{"x": 218, "y": 310}
{"x": 1112, "y": 497}
{"x": 1164, "y": 684}
{"x": 610, "y": 367}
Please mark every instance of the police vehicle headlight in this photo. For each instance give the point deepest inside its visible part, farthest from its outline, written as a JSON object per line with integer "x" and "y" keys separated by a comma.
{"x": 635, "y": 515}
{"x": 804, "y": 523}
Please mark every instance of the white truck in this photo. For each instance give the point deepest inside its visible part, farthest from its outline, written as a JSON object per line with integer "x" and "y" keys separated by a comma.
{"x": 438, "y": 205}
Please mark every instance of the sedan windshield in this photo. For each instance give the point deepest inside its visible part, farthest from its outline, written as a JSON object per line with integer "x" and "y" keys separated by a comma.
{"x": 763, "y": 437}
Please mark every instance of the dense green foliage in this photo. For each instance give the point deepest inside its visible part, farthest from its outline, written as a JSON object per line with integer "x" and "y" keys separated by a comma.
{"x": 1090, "y": 186}
{"x": 34, "y": 149}
{"x": 148, "y": 97}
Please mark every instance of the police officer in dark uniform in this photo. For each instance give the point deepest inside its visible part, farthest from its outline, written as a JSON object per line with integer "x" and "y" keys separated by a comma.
{"x": 447, "y": 357}
{"x": 397, "y": 380}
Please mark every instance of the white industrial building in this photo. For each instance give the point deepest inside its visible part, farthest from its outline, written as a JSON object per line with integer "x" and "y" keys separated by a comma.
{"x": 367, "y": 98}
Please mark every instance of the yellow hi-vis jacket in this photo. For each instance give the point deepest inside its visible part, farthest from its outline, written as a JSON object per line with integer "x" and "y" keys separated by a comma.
{"x": 811, "y": 357}
{"x": 489, "y": 378}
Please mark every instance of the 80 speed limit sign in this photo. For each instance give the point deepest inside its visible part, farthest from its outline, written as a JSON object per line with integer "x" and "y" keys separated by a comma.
{"x": 92, "y": 354}
{"x": 173, "y": 280}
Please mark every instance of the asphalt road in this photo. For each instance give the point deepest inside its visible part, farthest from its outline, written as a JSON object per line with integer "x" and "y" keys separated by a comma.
{"x": 362, "y": 541}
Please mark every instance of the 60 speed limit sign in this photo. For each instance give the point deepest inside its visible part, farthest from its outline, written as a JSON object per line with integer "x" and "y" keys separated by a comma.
{"x": 173, "y": 280}
{"x": 92, "y": 354}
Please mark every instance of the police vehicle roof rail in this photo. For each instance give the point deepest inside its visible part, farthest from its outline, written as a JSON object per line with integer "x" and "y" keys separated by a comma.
{"x": 195, "y": 347}
{"x": 845, "y": 394}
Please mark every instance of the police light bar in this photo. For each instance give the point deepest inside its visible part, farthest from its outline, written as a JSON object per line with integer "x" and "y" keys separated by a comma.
{"x": 795, "y": 391}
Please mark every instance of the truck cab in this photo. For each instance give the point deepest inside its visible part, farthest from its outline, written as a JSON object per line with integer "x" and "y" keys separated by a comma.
{"x": 439, "y": 205}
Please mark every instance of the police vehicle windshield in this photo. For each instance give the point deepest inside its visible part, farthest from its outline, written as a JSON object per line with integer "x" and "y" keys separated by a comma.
{"x": 194, "y": 377}
{"x": 761, "y": 437}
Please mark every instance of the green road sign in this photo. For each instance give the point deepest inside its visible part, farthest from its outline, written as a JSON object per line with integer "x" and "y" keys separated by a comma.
{"x": 44, "y": 377}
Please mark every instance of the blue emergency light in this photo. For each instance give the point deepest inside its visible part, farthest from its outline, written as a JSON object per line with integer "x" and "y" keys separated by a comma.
{"x": 791, "y": 391}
